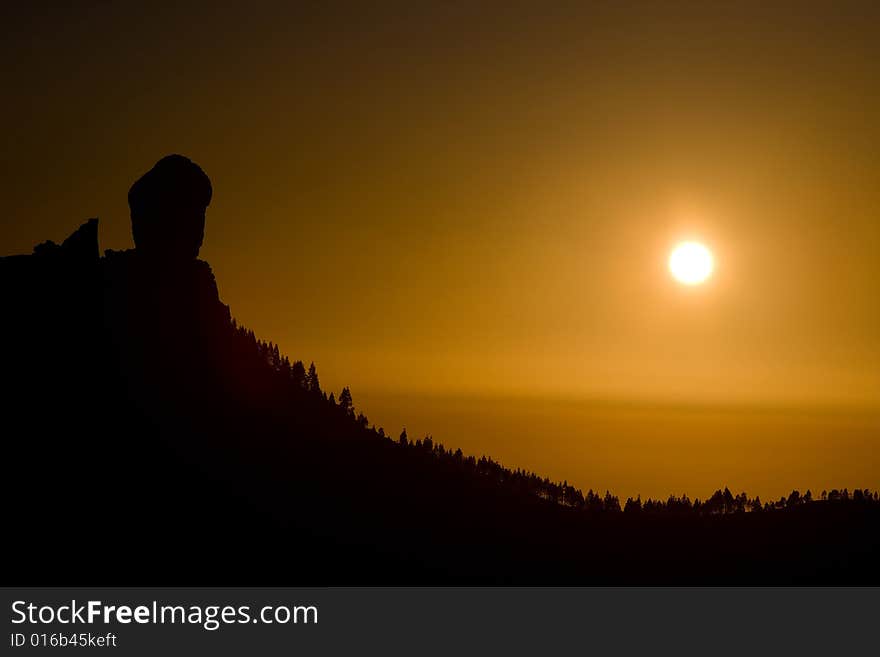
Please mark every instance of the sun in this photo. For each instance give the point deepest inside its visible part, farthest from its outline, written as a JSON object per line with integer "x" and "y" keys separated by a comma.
{"x": 691, "y": 263}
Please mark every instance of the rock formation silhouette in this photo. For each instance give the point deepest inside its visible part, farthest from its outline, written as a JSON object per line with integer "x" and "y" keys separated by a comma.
{"x": 161, "y": 304}
{"x": 168, "y": 205}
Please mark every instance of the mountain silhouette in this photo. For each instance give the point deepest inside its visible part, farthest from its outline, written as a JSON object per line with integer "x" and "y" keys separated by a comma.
{"x": 150, "y": 439}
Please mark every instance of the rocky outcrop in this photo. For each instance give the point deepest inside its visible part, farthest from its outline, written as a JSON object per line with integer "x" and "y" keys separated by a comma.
{"x": 83, "y": 242}
{"x": 82, "y": 245}
{"x": 168, "y": 205}
{"x": 130, "y": 317}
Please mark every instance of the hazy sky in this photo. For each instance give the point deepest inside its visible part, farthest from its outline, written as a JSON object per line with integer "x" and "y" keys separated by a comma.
{"x": 461, "y": 198}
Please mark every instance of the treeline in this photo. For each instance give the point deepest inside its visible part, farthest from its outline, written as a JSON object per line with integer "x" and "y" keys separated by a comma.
{"x": 303, "y": 383}
{"x": 299, "y": 385}
{"x": 721, "y": 502}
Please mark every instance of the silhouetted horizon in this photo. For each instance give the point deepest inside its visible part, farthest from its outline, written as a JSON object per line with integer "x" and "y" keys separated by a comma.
{"x": 140, "y": 405}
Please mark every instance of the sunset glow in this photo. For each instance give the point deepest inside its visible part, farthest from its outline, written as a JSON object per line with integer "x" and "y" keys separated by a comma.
{"x": 521, "y": 232}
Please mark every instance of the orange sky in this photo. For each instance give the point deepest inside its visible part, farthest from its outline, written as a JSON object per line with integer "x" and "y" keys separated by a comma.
{"x": 462, "y": 200}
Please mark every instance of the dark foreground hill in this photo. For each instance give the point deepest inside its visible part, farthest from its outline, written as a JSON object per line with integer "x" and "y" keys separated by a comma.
{"x": 148, "y": 439}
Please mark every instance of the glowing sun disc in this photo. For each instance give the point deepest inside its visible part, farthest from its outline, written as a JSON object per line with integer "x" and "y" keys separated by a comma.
{"x": 691, "y": 263}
